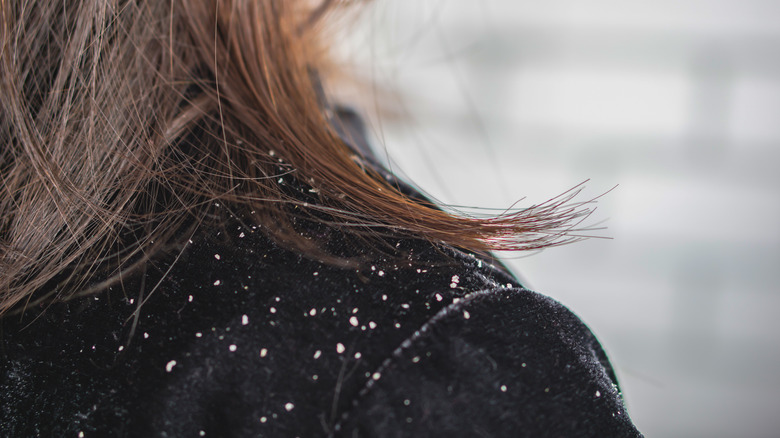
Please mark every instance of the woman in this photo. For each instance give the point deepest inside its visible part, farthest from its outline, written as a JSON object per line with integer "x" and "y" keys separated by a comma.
{"x": 195, "y": 242}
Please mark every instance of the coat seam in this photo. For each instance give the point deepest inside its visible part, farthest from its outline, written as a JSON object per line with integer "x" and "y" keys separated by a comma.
{"x": 406, "y": 344}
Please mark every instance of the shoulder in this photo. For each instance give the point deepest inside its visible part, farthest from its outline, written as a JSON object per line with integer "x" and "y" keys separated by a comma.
{"x": 499, "y": 362}
{"x": 235, "y": 333}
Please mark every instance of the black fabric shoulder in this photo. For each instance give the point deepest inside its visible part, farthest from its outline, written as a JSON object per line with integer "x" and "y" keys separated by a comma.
{"x": 499, "y": 362}
{"x": 242, "y": 338}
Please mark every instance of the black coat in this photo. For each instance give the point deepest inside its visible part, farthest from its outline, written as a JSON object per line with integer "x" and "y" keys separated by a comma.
{"x": 238, "y": 337}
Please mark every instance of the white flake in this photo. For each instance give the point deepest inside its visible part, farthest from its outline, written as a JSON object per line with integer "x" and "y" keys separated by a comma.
{"x": 169, "y": 366}
{"x": 232, "y": 347}
{"x": 340, "y": 348}
{"x": 263, "y": 352}
{"x": 244, "y": 319}
{"x": 354, "y": 321}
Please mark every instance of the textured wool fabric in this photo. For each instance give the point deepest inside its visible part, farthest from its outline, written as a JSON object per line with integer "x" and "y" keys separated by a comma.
{"x": 242, "y": 338}
{"x": 230, "y": 335}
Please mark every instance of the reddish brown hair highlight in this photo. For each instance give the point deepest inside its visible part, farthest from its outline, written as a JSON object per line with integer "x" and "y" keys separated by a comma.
{"x": 121, "y": 119}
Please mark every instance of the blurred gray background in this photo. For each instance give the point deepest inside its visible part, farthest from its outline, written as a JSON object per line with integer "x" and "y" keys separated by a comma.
{"x": 677, "y": 102}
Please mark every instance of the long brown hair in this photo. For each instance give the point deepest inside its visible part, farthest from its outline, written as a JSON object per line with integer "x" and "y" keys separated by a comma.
{"x": 121, "y": 118}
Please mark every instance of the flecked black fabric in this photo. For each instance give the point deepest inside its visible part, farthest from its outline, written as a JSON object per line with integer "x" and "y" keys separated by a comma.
{"x": 242, "y": 338}
{"x": 237, "y": 337}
